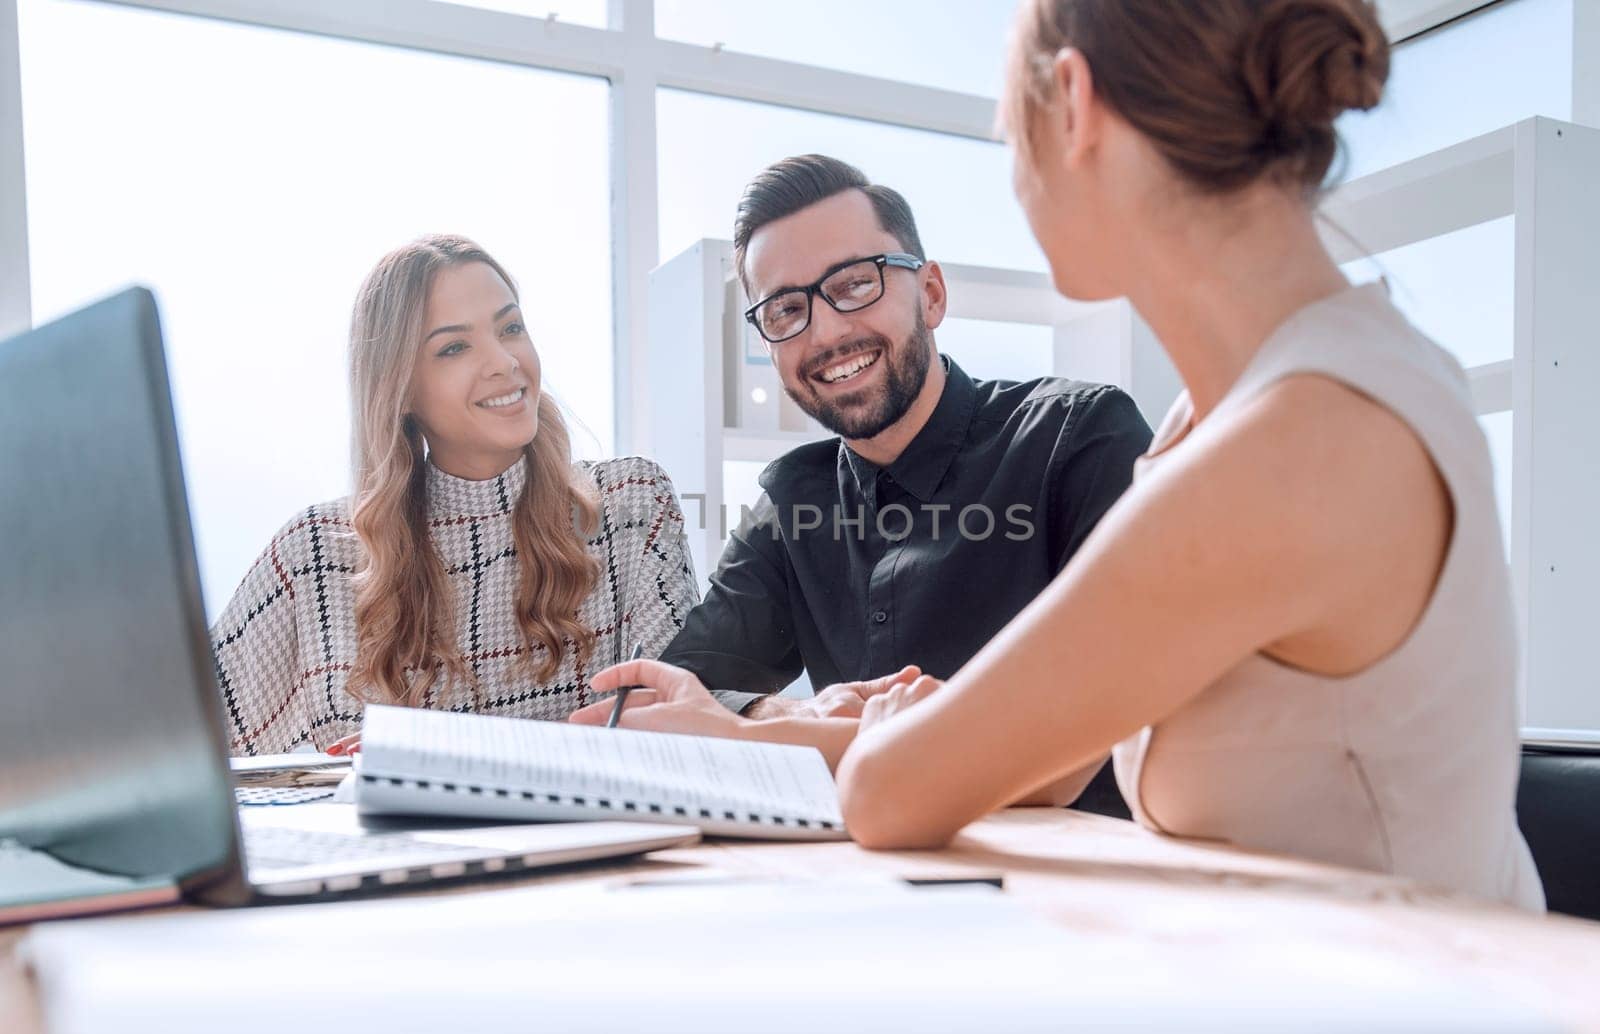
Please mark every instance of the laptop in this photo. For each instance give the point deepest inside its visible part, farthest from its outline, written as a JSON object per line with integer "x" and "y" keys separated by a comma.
{"x": 115, "y": 788}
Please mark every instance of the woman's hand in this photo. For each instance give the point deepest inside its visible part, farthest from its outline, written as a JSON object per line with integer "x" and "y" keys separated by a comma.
{"x": 849, "y": 699}
{"x": 885, "y": 705}
{"x": 350, "y": 744}
{"x": 668, "y": 699}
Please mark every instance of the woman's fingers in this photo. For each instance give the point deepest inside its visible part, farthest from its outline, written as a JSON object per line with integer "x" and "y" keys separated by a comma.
{"x": 897, "y": 698}
{"x": 872, "y": 687}
{"x": 877, "y": 709}
{"x": 350, "y": 744}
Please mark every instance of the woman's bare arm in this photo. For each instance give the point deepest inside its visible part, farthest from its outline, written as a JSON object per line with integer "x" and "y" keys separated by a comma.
{"x": 1271, "y": 528}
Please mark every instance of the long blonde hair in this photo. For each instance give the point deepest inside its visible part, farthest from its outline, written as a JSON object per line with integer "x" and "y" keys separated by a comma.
{"x": 405, "y": 608}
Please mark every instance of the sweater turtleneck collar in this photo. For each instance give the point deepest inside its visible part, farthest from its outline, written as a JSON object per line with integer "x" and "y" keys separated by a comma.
{"x": 450, "y": 496}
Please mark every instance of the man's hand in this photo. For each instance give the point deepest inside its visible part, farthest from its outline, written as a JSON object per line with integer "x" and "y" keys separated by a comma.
{"x": 897, "y": 698}
{"x": 849, "y": 699}
{"x": 670, "y": 700}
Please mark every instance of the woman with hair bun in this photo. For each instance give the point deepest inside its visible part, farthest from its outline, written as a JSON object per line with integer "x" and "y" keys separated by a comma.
{"x": 475, "y": 567}
{"x": 1294, "y": 632}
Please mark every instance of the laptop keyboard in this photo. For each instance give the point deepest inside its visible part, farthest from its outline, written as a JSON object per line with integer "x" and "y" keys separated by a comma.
{"x": 270, "y": 847}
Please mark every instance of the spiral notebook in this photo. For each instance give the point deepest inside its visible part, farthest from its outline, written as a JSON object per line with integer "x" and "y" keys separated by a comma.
{"x": 418, "y": 762}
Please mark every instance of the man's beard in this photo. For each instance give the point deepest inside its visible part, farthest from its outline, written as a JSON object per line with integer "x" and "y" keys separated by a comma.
{"x": 859, "y": 414}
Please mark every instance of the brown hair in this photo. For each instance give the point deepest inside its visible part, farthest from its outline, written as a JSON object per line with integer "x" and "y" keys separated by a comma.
{"x": 784, "y": 188}
{"x": 404, "y": 608}
{"x": 1229, "y": 91}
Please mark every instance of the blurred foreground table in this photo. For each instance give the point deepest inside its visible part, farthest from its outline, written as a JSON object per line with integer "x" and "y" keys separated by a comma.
{"x": 1212, "y": 908}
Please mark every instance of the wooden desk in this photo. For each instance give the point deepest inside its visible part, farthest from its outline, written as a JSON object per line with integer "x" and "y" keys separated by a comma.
{"x": 1214, "y": 907}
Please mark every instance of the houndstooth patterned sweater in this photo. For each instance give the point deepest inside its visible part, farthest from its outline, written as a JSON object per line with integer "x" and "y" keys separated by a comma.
{"x": 285, "y": 645}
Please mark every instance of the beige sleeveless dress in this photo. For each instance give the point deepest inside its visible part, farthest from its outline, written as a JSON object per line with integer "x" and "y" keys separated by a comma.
{"x": 1409, "y": 766}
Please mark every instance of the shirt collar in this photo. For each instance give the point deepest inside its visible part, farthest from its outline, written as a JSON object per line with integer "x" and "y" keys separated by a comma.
{"x": 921, "y": 467}
{"x": 452, "y": 497}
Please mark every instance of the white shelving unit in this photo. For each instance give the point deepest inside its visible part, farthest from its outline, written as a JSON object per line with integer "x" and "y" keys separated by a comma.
{"x": 1546, "y": 175}
{"x": 707, "y": 367}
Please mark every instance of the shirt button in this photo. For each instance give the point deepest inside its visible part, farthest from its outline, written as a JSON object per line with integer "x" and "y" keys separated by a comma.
{"x": 880, "y": 616}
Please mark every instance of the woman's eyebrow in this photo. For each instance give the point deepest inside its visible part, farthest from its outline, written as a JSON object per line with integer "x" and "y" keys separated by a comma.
{"x": 462, "y": 328}
{"x": 454, "y": 328}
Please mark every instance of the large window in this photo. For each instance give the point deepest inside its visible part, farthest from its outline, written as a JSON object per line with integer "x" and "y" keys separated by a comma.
{"x": 253, "y": 177}
{"x": 578, "y": 12}
{"x": 950, "y": 44}
{"x": 1457, "y": 287}
{"x": 959, "y": 189}
{"x": 1490, "y": 69}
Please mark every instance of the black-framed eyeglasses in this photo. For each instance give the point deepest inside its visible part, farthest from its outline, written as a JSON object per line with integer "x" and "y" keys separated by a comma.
{"x": 847, "y": 287}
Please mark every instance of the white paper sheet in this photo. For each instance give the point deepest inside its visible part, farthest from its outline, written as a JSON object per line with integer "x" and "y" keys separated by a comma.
{"x": 616, "y": 765}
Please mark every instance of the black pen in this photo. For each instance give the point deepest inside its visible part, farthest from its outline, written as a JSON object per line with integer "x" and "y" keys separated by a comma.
{"x": 622, "y": 692}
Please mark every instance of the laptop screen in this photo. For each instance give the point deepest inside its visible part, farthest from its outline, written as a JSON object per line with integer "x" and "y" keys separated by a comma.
{"x": 111, "y": 756}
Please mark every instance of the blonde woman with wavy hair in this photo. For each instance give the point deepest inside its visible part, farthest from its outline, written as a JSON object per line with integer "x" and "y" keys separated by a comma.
{"x": 475, "y": 567}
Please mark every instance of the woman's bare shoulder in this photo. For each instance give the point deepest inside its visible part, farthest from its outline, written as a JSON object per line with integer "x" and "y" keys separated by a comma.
{"x": 1327, "y": 500}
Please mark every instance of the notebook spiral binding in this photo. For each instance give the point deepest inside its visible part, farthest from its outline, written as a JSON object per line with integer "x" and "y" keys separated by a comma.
{"x": 622, "y": 808}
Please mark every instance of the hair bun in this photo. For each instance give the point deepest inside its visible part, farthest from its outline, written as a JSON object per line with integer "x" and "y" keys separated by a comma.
{"x": 1307, "y": 61}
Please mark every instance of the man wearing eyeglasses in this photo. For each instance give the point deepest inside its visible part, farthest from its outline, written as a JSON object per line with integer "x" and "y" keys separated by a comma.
{"x": 945, "y": 505}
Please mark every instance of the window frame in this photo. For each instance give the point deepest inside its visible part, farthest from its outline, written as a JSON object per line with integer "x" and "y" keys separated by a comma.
{"x": 636, "y": 63}
{"x": 627, "y": 53}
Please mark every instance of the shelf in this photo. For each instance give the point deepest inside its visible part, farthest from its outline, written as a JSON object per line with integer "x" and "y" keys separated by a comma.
{"x": 764, "y": 446}
{"x": 1491, "y": 386}
{"x": 1459, "y": 186}
{"x": 1010, "y": 296}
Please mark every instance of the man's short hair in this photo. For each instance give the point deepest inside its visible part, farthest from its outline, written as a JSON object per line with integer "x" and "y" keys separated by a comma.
{"x": 785, "y": 187}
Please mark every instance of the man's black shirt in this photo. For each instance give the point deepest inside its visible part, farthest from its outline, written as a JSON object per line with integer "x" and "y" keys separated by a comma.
{"x": 853, "y": 571}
